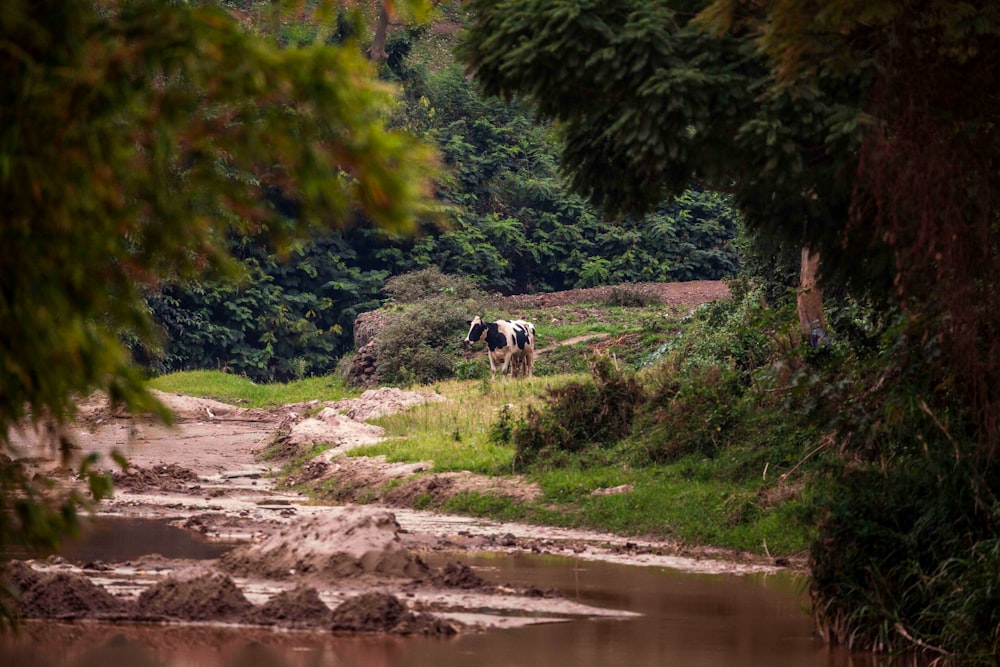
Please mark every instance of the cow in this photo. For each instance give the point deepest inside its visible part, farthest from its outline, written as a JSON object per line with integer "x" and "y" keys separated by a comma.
{"x": 509, "y": 345}
{"x": 524, "y": 361}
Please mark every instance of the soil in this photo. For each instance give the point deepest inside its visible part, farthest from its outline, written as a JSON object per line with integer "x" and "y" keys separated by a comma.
{"x": 303, "y": 564}
{"x": 676, "y": 296}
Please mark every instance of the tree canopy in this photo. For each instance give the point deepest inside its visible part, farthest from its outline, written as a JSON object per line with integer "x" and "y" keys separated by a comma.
{"x": 863, "y": 130}
{"x": 135, "y": 137}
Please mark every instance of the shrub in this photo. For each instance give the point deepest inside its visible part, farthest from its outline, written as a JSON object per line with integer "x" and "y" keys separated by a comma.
{"x": 697, "y": 411}
{"x": 632, "y": 296}
{"x": 417, "y": 286}
{"x": 908, "y": 557}
{"x": 579, "y": 415}
{"x": 420, "y": 345}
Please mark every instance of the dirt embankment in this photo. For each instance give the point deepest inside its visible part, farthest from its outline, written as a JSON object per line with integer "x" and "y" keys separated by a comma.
{"x": 677, "y": 296}
{"x": 300, "y": 564}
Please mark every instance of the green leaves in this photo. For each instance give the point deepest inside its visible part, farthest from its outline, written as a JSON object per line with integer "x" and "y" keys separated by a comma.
{"x": 134, "y": 137}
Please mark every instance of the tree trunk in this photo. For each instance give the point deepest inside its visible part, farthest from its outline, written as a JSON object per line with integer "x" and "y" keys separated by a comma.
{"x": 810, "y": 298}
{"x": 376, "y": 53}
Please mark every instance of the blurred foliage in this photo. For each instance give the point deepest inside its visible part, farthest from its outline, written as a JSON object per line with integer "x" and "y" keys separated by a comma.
{"x": 137, "y": 140}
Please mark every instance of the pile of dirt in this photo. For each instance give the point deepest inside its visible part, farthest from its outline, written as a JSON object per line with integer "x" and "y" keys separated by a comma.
{"x": 438, "y": 488}
{"x": 382, "y": 612}
{"x": 363, "y": 368}
{"x": 299, "y": 608}
{"x": 384, "y": 401}
{"x": 345, "y": 479}
{"x": 458, "y": 575}
{"x": 362, "y": 371}
{"x": 206, "y": 597}
{"x": 352, "y": 542}
{"x": 342, "y": 424}
{"x": 167, "y": 477}
{"x": 330, "y": 427}
{"x": 64, "y": 595}
{"x": 97, "y": 409}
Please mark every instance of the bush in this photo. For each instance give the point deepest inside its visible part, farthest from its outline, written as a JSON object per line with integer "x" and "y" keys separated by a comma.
{"x": 420, "y": 346}
{"x": 579, "y": 415}
{"x": 417, "y": 286}
{"x": 697, "y": 411}
{"x": 632, "y": 296}
{"x": 906, "y": 555}
{"x": 908, "y": 558}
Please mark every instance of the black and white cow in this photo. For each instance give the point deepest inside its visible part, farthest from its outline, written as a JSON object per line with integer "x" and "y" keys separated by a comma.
{"x": 509, "y": 345}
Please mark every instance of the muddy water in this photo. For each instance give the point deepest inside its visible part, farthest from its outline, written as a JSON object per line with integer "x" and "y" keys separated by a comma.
{"x": 106, "y": 539}
{"x": 703, "y": 620}
{"x": 699, "y": 620}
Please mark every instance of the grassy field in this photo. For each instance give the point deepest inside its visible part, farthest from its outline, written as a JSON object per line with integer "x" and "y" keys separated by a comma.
{"x": 696, "y": 499}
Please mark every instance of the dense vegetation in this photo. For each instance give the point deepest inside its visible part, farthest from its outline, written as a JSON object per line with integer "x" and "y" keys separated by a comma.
{"x": 863, "y": 133}
{"x": 134, "y": 138}
{"x": 512, "y": 227}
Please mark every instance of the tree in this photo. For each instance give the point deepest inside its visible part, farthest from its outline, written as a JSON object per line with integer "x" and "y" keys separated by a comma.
{"x": 134, "y": 137}
{"x": 864, "y": 132}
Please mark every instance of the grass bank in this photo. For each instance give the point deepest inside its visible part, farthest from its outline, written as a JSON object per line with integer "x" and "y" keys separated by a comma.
{"x": 700, "y": 500}
{"x": 243, "y": 392}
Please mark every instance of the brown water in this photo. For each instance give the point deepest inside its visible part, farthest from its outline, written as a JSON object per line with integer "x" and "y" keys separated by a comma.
{"x": 119, "y": 539}
{"x": 696, "y": 620}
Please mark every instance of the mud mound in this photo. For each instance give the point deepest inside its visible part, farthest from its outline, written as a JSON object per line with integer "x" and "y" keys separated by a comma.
{"x": 208, "y": 597}
{"x": 299, "y": 608}
{"x": 381, "y": 612}
{"x": 384, "y": 401}
{"x": 333, "y": 428}
{"x": 65, "y": 596}
{"x": 351, "y": 542}
{"x": 678, "y": 295}
{"x": 458, "y": 575}
{"x": 168, "y": 477}
{"x": 97, "y": 409}
{"x": 19, "y": 575}
{"x": 440, "y": 487}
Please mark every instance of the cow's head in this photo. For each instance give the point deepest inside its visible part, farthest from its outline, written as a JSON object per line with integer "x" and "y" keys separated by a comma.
{"x": 476, "y": 329}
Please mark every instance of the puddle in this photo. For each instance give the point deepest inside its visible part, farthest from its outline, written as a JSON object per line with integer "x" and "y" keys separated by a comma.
{"x": 116, "y": 539}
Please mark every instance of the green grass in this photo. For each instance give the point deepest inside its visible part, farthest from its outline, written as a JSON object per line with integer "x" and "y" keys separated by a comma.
{"x": 716, "y": 502}
{"x": 455, "y": 434}
{"x": 238, "y": 390}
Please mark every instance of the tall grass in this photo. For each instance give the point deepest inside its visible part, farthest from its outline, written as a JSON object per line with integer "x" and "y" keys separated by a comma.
{"x": 456, "y": 434}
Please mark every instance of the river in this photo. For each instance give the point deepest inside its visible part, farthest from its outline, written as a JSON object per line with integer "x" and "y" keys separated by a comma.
{"x": 682, "y": 619}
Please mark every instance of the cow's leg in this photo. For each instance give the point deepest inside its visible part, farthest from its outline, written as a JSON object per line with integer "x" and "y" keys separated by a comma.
{"x": 506, "y": 363}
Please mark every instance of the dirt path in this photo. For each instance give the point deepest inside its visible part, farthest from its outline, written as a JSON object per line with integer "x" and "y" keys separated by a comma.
{"x": 572, "y": 341}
